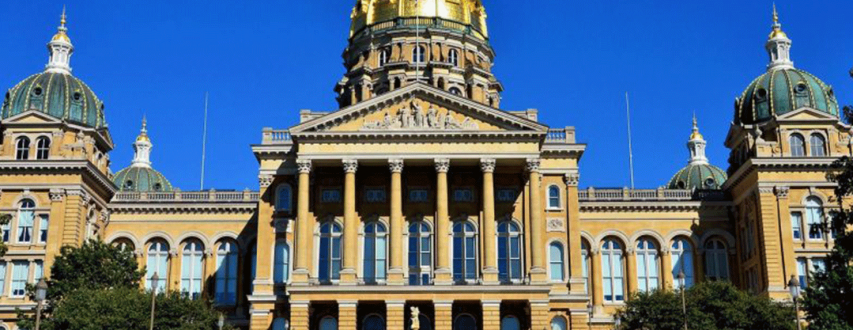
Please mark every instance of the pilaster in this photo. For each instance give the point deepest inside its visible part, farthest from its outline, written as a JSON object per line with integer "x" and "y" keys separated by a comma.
{"x": 443, "y": 315}
{"x": 539, "y": 314}
{"x": 263, "y": 283}
{"x": 576, "y": 282}
{"x": 54, "y": 227}
{"x": 595, "y": 278}
{"x": 492, "y": 314}
{"x": 631, "y": 271}
{"x": 538, "y": 274}
{"x": 666, "y": 264}
{"x": 770, "y": 244}
{"x": 299, "y": 316}
{"x": 262, "y": 320}
{"x": 789, "y": 260}
{"x": 347, "y": 315}
{"x": 395, "y": 315}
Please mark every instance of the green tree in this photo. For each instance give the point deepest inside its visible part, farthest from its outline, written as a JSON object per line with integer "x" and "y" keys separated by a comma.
{"x": 93, "y": 265}
{"x": 4, "y": 220}
{"x": 710, "y": 306}
{"x": 828, "y": 299}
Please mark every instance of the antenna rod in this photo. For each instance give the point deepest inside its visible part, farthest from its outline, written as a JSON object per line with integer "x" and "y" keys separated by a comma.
{"x": 204, "y": 141}
{"x": 630, "y": 147}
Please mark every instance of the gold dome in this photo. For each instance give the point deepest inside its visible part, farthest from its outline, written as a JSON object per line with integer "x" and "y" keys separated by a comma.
{"x": 369, "y": 12}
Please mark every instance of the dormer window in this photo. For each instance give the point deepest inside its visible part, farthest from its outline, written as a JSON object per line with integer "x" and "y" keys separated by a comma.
{"x": 128, "y": 184}
{"x": 453, "y": 57}
{"x": 383, "y": 57}
{"x": 418, "y": 54}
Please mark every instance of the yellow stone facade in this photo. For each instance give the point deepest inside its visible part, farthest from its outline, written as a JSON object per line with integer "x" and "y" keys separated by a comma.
{"x": 415, "y": 196}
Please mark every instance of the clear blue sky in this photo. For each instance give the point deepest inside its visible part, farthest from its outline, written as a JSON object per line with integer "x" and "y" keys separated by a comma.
{"x": 262, "y": 61}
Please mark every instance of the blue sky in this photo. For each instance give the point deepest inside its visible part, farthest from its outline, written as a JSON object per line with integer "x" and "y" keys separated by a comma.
{"x": 263, "y": 61}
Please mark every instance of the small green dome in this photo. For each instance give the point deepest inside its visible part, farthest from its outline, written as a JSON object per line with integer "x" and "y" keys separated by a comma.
{"x": 58, "y": 95}
{"x": 141, "y": 179}
{"x": 781, "y": 91}
{"x": 698, "y": 176}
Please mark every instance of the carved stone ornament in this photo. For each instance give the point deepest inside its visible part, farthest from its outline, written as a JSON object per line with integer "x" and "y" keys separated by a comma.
{"x": 304, "y": 165}
{"x": 56, "y": 195}
{"x": 572, "y": 179}
{"x": 105, "y": 216}
{"x": 442, "y": 165}
{"x": 555, "y": 224}
{"x": 350, "y": 165}
{"x": 395, "y": 165}
{"x": 416, "y": 322}
{"x": 487, "y": 165}
{"x": 781, "y": 191}
{"x": 281, "y": 225}
{"x": 533, "y": 164}
{"x": 413, "y": 117}
{"x": 265, "y": 180}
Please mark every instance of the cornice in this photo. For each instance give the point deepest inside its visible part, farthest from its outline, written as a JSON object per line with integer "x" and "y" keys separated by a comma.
{"x": 53, "y": 165}
{"x": 183, "y": 208}
{"x": 753, "y": 164}
{"x": 628, "y": 206}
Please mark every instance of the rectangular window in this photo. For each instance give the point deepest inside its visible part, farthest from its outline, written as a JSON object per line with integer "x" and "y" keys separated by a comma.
{"x": 801, "y": 272}
{"x": 38, "y": 272}
{"x": 2, "y": 277}
{"x": 507, "y": 195}
{"x": 20, "y": 272}
{"x": 375, "y": 195}
{"x": 43, "y": 225}
{"x": 25, "y": 226}
{"x": 5, "y": 228}
{"x": 585, "y": 260}
{"x": 463, "y": 195}
{"x": 330, "y": 196}
{"x": 796, "y": 224}
{"x": 418, "y": 195}
{"x": 814, "y": 216}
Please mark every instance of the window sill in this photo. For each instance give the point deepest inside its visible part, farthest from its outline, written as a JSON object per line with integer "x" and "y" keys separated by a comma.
{"x": 554, "y": 209}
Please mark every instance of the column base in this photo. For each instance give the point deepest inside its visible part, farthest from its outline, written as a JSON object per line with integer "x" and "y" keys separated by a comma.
{"x": 443, "y": 277}
{"x": 395, "y": 277}
{"x": 538, "y": 276}
{"x": 490, "y": 276}
{"x": 301, "y": 277}
{"x": 349, "y": 277}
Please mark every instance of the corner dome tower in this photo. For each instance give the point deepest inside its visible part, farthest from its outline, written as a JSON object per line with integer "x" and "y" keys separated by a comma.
{"x": 699, "y": 174}
{"x": 140, "y": 176}
{"x": 55, "y": 91}
{"x": 782, "y": 88}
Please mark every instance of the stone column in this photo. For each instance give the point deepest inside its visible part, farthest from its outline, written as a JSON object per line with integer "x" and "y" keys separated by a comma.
{"x": 395, "y": 314}
{"x": 209, "y": 272}
{"x": 490, "y": 269}
{"x": 789, "y": 261}
{"x": 348, "y": 273}
{"x": 538, "y": 273}
{"x": 173, "y": 279}
{"x": 395, "y": 274}
{"x": 347, "y": 314}
{"x": 573, "y": 229}
{"x": 595, "y": 279}
{"x": 630, "y": 273}
{"x": 443, "y": 315}
{"x": 54, "y": 228}
{"x": 492, "y": 314}
{"x": 666, "y": 263}
{"x": 442, "y": 228}
{"x": 301, "y": 272}
{"x": 299, "y": 316}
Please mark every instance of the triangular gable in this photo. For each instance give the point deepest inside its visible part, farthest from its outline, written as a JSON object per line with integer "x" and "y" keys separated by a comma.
{"x": 31, "y": 117}
{"x": 418, "y": 107}
{"x": 806, "y": 114}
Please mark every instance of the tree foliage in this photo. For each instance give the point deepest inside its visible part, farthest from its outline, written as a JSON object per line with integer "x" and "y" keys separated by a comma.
{"x": 828, "y": 299}
{"x": 97, "y": 286}
{"x": 4, "y": 220}
{"x": 710, "y": 306}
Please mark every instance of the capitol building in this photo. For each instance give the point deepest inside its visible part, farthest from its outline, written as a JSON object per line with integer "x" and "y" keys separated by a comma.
{"x": 420, "y": 195}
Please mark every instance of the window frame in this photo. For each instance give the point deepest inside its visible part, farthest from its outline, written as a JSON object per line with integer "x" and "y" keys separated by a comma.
{"x": 42, "y": 148}
{"x": 510, "y": 233}
{"x": 801, "y": 143}
{"x": 814, "y": 219}
{"x": 24, "y": 234}
{"x": 281, "y": 266}
{"x": 419, "y": 54}
{"x": 192, "y": 249}
{"x": 797, "y": 225}
{"x": 453, "y": 57}
{"x": 223, "y": 275}
{"x": 561, "y": 262}
{"x": 713, "y": 254}
{"x": 284, "y": 187}
{"x": 372, "y": 238}
{"x": 334, "y": 238}
{"x": 648, "y": 260}
{"x": 22, "y": 148}
{"x": 615, "y": 260}
{"x": 466, "y": 237}
{"x": 419, "y": 236}
{"x": 817, "y": 145}
{"x": 17, "y": 286}
{"x": 552, "y": 198}
{"x": 677, "y": 255}
{"x": 158, "y": 248}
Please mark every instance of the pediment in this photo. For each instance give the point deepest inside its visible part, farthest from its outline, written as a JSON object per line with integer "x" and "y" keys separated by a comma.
{"x": 806, "y": 114}
{"x": 31, "y": 117}
{"x": 418, "y": 108}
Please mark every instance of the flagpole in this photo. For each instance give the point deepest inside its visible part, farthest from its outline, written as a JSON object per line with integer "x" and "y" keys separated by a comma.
{"x": 204, "y": 141}
{"x": 630, "y": 147}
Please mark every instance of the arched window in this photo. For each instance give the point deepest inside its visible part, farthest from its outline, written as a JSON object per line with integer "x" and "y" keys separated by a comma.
{"x": 124, "y": 244}
{"x": 716, "y": 260}
{"x": 157, "y": 263}
{"x": 455, "y": 91}
{"x": 453, "y": 57}
{"x": 814, "y": 218}
{"x": 22, "y": 148}
{"x": 329, "y": 323}
{"x": 612, "y": 264}
{"x": 555, "y": 254}
{"x": 26, "y": 217}
{"x": 280, "y": 323}
{"x": 798, "y": 145}
{"x": 226, "y": 273}
{"x": 418, "y": 54}
{"x": 281, "y": 272}
{"x": 647, "y": 265}
{"x": 42, "y": 147}
{"x": 464, "y": 252}
{"x": 330, "y": 252}
{"x": 510, "y": 322}
{"x": 283, "y": 198}
{"x": 558, "y": 323}
{"x": 682, "y": 261}
{"x": 373, "y": 322}
{"x": 585, "y": 262}
{"x": 509, "y": 252}
{"x": 375, "y": 252}
{"x": 465, "y": 322}
{"x": 420, "y": 253}
{"x": 817, "y": 145}
{"x": 553, "y": 197}
{"x": 191, "y": 261}
{"x": 383, "y": 57}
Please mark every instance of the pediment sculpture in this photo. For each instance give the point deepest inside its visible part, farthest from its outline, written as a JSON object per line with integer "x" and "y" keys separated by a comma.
{"x": 413, "y": 117}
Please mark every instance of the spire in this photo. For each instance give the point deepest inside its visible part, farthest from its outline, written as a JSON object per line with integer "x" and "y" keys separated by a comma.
{"x": 60, "y": 49}
{"x": 778, "y": 46}
{"x": 142, "y": 147}
{"x": 696, "y": 146}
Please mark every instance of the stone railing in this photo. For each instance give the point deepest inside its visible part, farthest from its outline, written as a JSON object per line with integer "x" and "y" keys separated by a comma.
{"x": 560, "y": 135}
{"x": 624, "y": 194}
{"x": 276, "y": 136}
{"x": 422, "y": 23}
{"x": 187, "y": 196}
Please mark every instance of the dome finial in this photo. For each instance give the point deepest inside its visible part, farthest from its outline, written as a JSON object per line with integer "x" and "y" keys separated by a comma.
{"x": 62, "y": 20}
{"x": 142, "y": 146}
{"x": 778, "y": 46}
{"x": 696, "y": 135}
{"x": 143, "y": 133}
{"x": 696, "y": 145}
{"x": 60, "y": 48}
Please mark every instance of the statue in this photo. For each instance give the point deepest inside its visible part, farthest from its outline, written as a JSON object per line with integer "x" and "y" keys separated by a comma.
{"x": 420, "y": 121}
{"x": 432, "y": 117}
{"x": 416, "y": 322}
{"x": 405, "y": 117}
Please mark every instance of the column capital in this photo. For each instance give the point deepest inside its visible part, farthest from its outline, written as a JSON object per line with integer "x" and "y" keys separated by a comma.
{"x": 303, "y": 165}
{"x": 572, "y": 179}
{"x": 442, "y": 165}
{"x": 350, "y": 165}
{"x": 395, "y": 165}
{"x": 487, "y": 165}
{"x": 56, "y": 195}
{"x": 533, "y": 164}
{"x": 781, "y": 192}
{"x": 265, "y": 180}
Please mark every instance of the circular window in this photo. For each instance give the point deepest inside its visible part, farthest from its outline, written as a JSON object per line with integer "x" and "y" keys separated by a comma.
{"x": 77, "y": 96}
{"x": 157, "y": 187}
{"x": 681, "y": 185}
{"x": 710, "y": 182}
{"x": 37, "y": 91}
{"x": 761, "y": 94}
{"x": 801, "y": 87}
{"x": 128, "y": 184}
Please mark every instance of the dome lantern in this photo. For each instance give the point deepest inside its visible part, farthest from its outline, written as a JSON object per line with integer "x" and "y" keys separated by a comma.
{"x": 61, "y": 49}
{"x": 140, "y": 176}
{"x": 778, "y": 46}
{"x": 699, "y": 174}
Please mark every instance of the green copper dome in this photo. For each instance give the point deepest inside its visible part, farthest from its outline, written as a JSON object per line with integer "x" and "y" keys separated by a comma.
{"x": 781, "y": 91}
{"x": 59, "y": 95}
{"x": 698, "y": 176}
{"x": 141, "y": 179}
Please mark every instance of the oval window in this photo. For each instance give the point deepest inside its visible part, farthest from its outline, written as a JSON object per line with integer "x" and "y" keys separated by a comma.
{"x": 128, "y": 184}
{"x": 77, "y": 96}
{"x": 761, "y": 94}
{"x": 710, "y": 182}
{"x": 37, "y": 91}
{"x": 801, "y": 87}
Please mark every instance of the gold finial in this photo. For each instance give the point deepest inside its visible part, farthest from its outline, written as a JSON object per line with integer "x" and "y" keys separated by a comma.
{"x": 777, "y": 27}
{"x": 696, "y": 135}
{"x": 62, "y": 21}
{"x": 775, "y": 14}
{"x": 143, "y": 133}
{"x": 61, "y": 34}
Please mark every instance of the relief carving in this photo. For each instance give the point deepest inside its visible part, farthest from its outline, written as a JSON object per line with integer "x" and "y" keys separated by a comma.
{"x": 413, "y": 117}
{"x": 555, "y": 224}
